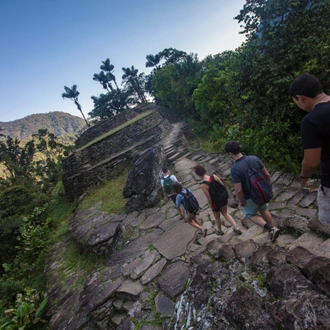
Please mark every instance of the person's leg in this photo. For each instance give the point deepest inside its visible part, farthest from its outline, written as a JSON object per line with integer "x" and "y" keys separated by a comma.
{"x": 182, "y": 210}
{"x": 217, "y": 219}
{"x": 194, "y": 222}
{"x": 266, "y": 215}
{"x": 197, "y": 220}
{"x": 258, "y": 220}
{"x": 224, "y": 212}
{"x": 251, "y": 210}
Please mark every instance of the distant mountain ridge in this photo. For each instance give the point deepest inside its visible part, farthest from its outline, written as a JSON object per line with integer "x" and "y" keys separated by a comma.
{"x": 57, "y": 122}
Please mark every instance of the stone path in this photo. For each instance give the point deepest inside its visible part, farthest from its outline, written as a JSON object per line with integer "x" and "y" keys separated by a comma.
{"x": 161, "y": 274}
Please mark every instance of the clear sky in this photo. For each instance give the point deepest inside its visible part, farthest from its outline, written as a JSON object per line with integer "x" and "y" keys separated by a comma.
{"x": 49, "y": 44}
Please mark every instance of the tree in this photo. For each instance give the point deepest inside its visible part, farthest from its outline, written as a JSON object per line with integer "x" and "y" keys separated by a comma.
{"x": 109, "y": 68}
{"x": 175, "y": 83}
{"x": 153, "y": 61}
{"x": 72, "y": 94}
{"x": 18, "y": 160}
{"x": 134, "y": 82}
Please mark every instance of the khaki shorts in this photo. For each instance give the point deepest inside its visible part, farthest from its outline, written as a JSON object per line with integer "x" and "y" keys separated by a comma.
{"x": 323, "y": 202}
{"x": 189, "y": 216}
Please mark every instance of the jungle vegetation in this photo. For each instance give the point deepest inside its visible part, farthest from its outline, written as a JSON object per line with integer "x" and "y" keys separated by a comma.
{"x": 235, "y": 95}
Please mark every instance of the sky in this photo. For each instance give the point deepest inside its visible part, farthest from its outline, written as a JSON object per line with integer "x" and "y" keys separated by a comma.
{"x": 49, "y": 44}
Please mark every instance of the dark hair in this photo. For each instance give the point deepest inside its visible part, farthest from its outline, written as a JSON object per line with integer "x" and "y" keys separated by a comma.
{"x": 233, "y": 147}
{"x": 165, "y": 169}
{"x": 306, "y": 84}
{"x": 200, "y": 170}
{"x": 177, "y": 187}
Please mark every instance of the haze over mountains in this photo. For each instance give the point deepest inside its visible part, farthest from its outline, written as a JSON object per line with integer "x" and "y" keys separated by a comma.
{"x": 57, "y": 122}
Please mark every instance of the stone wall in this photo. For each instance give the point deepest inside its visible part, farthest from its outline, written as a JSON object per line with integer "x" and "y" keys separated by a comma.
{"x": 99, "y": 161}
{"x": 104, "y": 127}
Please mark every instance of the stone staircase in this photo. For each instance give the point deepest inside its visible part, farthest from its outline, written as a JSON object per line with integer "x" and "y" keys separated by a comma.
{"x": 166, "y": 276}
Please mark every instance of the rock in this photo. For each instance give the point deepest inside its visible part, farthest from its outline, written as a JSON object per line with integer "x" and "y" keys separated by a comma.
{"x": 174, "y": 278}
{"x": 164, "y": 305}
{"x": 318, "y": 271}
{"x": 132, "y": 288}
{"x": 244, "y": 250}
{"x": 245, "y": 311}
{"x": 143, "y": 182}
{"x": 173, "y": 243}
{"x": 319, "y": 226}
{"x": 153, "y": 271}
{"x": 299, "y": 256}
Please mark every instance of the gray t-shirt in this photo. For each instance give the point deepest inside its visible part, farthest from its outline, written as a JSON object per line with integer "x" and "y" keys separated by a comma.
{"x": 239, "y": 169}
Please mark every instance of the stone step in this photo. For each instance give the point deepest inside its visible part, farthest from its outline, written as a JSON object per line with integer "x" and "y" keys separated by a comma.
{"x": 175, "y": 157}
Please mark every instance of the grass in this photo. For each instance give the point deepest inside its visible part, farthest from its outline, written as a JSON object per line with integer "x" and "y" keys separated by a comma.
{"x": 75, "y": 261}
{"x": 111, "y": 195}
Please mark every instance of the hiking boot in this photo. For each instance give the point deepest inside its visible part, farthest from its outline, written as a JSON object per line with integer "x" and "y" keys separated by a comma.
{"x": 205, "y": 232}
{"x": 274, "y": 233}
{"x": 219, "y": 232}
{"x": 237, "y": 231}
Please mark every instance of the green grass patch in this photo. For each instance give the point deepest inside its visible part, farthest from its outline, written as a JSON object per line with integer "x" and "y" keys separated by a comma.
{"x": 78, "y": 262}
{"x": 116, "y": 129}
{"x": 111, "y": 195}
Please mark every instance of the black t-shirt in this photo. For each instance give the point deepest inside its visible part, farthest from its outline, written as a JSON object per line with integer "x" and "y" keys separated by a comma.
{"x": 315, "y": 133}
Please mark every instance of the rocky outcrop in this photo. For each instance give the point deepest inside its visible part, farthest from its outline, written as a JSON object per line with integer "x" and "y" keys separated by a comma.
{"x": 161, "y": 274}
{"x": 143, "y": 183}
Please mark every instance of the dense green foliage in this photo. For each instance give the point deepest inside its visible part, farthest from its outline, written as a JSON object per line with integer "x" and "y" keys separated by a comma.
{"x": 243, "y": 95}
{"x": 32, "y": 172}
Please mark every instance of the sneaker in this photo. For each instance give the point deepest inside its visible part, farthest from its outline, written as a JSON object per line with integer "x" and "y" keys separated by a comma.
{"x": 205, "y": 232}
{"x": 219, "y": 232}
{"x": 274, "y": 233}
{"x": 237, "y": 232}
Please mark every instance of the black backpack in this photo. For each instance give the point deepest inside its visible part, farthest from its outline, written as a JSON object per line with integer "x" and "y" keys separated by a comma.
{"x": 260, "y": 188}
{"x": 217, "y": 191}
{"x": 191, "y": 201}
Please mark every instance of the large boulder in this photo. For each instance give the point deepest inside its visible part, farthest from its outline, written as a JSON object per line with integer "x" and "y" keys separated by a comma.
{"x": 143, "y": 183}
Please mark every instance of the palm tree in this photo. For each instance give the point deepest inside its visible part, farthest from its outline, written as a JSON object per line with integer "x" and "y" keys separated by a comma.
{"x": 132, "y": 79}
{"x": 103, "y": 79}
{"x": 109, "y": 68}
{"x": 153, "y": 61}
{"x": 72, "y": 94}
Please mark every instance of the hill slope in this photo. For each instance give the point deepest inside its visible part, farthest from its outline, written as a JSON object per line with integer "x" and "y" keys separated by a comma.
{"x": 57, "y": 122}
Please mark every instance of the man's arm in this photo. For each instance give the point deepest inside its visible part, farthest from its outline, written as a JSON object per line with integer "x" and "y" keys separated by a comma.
{"x": 239, "y": 193}
{"x": 265, "y": 173}
{"x": 310, "y": 163}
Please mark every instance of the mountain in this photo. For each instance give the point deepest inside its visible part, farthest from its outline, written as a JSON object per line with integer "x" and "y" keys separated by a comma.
{"x": 57, "y": 122}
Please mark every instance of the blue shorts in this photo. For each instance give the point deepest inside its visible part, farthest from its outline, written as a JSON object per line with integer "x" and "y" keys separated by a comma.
{"x": 252, "y": 208}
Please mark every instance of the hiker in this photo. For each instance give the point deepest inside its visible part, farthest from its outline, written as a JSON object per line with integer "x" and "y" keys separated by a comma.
{"x": 190, "y": 217}
{"x": 166, "y": 183}
{"x": 307, "y": 92}
{"x": 238, "y": 173}
{"x": 217, "y": 197}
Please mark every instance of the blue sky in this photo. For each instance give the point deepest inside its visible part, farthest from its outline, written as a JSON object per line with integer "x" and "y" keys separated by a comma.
{"x": 49, "y": 44}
